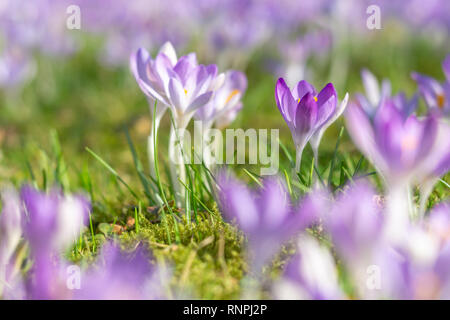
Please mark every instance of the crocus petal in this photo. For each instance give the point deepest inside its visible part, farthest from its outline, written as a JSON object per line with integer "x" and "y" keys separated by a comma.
{"x": 361, "y": 132}
{"x": 168, "y": 50}
{"x": 285, "y": 101}
{"x": 429, "y": 133}
{"x": 273, "y": 203}
{"x": 138, "y": 62}
{"x": 199, "y": 102}
{"x": 446, "y": 67}
{"x": 149, "y": 91}
{"x": 184, "y": 67}
{"x": 306, "y": 114}
{"x": 371, "y": 87}
{"x": 302, "y": 88}
{"x": 429, "y": 88}
{"x": 177, "y": 95}
{"x": 326, "y": 104}
{"x": 238, "y": 203}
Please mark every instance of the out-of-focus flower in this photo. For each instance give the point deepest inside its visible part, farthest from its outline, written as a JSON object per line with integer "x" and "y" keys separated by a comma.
{"x": 226, "y": 101}
{"x": 435, "y": 165}
{"x": 436, "y": 94}
{"x": 438, "y": 222}
{"x": 181, "y": 84}
{"x": 266, "y": 217}
{"x": 122, "y": 275}
{"x": 374, "y": 96}
{"x": 311, "y": 274}
{"x": 396, "y": 146}
{"x": 53, "y": 221}
{"x": 10, "y": 234}
{"x": 305, "y": 111}
{"x": 355, "y": 226}
{"x": 15, "y": 68}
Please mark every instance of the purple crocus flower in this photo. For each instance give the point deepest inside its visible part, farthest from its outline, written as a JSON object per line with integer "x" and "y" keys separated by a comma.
{"x": 374, "y": 96}
{"x": 181, "y": 84}
{"x": 266, "y": 217}
{"x": 53, "y": 221}
{"x": 311, "y": 274}
{"x": 305, "y": 111}
{"x": 435, "y": 165}
{"x": 396, "y": 147}
{"x": 121, "y": 275}
{"x": 355, "y": 226}
{"x": 16, "y": 68}
{"x": 436, "y": 94}
{"x": 226, "y": 101}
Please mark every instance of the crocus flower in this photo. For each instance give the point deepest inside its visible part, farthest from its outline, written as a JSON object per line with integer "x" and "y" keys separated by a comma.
{"x": 355, "y": 226}
{"x": 16, "y": 67}
{"x": 181, "y": 84}
{"x": 221, "y": 110}
{"x": 435, "y": 165}
{"x": 121, "y": 275}
{"x": 436, "y": 94}
{"x": 138, "y": 65}
{"x": 374, "y": 96}
{"x": 311, "y": 274}
{"x": 306, "y": 112}
{"x": 53, "y": 221}
{"x": 266, "y": 217}
{"x": 395, "y": 146}
{"x": 226, "y": 100}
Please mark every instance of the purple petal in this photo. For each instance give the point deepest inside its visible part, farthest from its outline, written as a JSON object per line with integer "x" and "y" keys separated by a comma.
{"x": 184, "y": 67}
{"x": 446, "y": 67}
{"x": 285, "y": 101}
{"x": 237, "y": 202}
{"x": 306, "y": 115}
{"x": 200, "y": 101}
{"x": 326, "y": 103}
{"x": 302, "y": 88}
{"x": 138, "y": 64}
{"x": 177, "y": 95}
{"x": 273, "y": 204}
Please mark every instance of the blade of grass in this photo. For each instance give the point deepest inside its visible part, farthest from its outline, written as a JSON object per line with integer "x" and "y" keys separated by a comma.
{"x": 253, "y": 177}
{"x": 113, "y": 172}
{"x": 330, "y": 175}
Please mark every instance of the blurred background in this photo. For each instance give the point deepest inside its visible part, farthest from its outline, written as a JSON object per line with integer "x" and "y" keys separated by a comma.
{"x": 64, "y": 89}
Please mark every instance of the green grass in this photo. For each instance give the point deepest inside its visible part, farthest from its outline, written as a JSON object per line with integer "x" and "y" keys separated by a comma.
{"x": 83, "y": 127}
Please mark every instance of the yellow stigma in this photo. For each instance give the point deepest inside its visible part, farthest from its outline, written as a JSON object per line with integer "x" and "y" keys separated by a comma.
{"x": 231, "y": 95}
{"x": 441, "y": 100}
{"x": 185, "y": 91}
{"x": 315, "y": 99}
